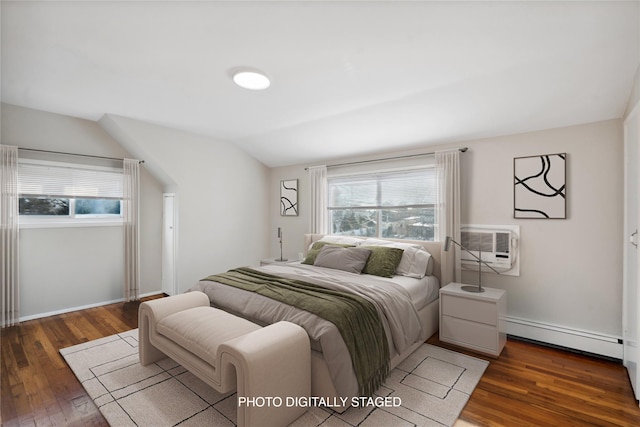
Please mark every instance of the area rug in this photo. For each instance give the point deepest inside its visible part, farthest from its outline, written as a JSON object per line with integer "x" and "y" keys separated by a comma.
{"x": 429, "y": 388}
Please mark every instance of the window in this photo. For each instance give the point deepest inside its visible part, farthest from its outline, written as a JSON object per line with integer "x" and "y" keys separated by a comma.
{"x": 398, "y": 205}
{"x": 74, "y": 208}
{"x": 53, "y": 193}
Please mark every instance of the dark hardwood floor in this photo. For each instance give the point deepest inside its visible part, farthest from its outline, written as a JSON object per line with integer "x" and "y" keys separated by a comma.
{"x": 534, "y": 385}
{"x": 528, "y": 385}
{"x": 38, "y": 388}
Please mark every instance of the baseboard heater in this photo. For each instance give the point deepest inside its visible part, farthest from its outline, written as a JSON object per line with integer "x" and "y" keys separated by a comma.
{"x": 588, "y": 342}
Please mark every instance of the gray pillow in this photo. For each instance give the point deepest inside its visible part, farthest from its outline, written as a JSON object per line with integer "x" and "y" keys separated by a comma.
{"x": 315, "y": 250}
{"x": 352, "y": 260}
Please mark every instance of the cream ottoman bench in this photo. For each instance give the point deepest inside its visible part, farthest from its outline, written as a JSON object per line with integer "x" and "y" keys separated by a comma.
{"x": 228, "y": 352}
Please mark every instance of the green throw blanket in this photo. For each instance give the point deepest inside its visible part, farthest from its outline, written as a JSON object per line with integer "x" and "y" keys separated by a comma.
{"x": 356, "y": 318}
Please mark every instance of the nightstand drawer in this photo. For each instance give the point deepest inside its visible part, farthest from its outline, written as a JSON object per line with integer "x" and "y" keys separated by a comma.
{"x": 472, "y": 320}
{"x": 470, "y": 309}
{"x": 474, "y": 335}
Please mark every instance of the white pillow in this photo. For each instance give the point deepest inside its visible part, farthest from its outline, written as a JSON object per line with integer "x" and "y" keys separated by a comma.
{"x": 376, "y": 242}
{"x": 416, "y": 261}
{"x": 343, "y": 240}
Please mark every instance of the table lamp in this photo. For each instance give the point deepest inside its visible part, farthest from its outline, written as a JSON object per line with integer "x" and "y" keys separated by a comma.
{"x": 469, "y": 288}
{"x": 280, "y": 237}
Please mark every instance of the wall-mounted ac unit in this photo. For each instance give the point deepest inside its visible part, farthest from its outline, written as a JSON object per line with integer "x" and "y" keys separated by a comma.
{"x": 496, "y": 244}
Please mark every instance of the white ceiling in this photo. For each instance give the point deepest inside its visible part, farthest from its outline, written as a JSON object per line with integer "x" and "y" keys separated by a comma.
{"x": 348, "y": 78}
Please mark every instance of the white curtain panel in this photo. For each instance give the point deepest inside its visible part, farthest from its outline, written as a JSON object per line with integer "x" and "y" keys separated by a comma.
{"x": 9, "y": 235}
{"x": 131, "y": 214}
{"x": 318, "y": 190}
{"x": 448, "y": 211}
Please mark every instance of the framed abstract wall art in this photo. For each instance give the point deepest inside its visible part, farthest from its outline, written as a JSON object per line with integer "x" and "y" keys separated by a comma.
{"x": 540, "y": 186}
{"x": 289, "y": 197}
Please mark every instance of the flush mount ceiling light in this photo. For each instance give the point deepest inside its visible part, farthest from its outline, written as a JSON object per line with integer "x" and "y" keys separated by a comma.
{"x": 253, "y": 80}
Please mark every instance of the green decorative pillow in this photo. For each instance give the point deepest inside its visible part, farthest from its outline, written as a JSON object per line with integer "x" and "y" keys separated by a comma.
{"x": 315, "y": 250}
{"x": 383, "y": 260}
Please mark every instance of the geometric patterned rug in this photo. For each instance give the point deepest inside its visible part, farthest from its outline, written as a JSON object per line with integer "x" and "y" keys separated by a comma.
{"x": 429, "y": 388}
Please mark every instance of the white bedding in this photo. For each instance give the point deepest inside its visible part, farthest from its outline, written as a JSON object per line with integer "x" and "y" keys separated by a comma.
{"x": 421, "y": 291}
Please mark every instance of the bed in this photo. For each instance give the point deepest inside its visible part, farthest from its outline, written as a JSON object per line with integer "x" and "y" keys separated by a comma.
{"x": 406, "y": 305}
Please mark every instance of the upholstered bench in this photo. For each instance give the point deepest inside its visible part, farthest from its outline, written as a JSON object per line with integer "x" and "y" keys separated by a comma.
{"x": 228, "y": 352}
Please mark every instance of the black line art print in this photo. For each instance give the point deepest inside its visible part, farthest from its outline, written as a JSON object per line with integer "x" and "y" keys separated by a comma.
{"x": 289, "y": 197}
{"x": 540, "y": 186}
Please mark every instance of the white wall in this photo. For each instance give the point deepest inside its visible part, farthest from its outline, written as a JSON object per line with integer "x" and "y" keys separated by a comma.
{"x": 293, "y": 227}
{"x": 62, "y": 269}
{"x": 222, "y": 195}
{"x": 571, "y": 270}
{"x": 66, "y": 268}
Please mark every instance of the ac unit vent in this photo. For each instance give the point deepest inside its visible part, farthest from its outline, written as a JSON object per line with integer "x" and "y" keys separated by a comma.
{"x": 502, "y": 242}
{"x": 477, "y": 241}
{"x": 496, "y": 245}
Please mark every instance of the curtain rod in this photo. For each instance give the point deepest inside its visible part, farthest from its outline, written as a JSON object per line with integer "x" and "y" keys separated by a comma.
{"x": 73, "y": 154}
{"x": 462, "y": 150}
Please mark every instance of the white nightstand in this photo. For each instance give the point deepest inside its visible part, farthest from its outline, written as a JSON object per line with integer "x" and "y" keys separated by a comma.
{"x": 268, "y": 261}
{"x": 473, "y": 320}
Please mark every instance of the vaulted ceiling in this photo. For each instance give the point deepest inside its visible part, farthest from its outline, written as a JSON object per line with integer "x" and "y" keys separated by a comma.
{"x": 347, "y": 78}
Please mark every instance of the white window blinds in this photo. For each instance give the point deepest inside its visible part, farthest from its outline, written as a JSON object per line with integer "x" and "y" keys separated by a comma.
{"x": 383, "y": 190}
{"x": 50, "y": 179}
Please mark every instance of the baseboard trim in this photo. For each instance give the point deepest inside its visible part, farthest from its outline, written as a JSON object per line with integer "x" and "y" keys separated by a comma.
{"x": 608, "y": 346}
{"x": 83, "y": 307}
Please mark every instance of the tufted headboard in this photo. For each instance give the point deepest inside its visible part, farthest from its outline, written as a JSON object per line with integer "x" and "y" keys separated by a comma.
{"x": 434, "y": 248}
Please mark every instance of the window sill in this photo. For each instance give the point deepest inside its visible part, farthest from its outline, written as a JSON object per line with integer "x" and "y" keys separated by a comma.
{"x": 71, "y": 224}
